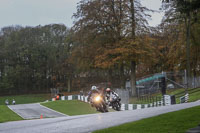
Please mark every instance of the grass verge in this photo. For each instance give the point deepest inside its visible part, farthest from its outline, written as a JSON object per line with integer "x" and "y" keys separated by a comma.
{"x": 174, "y": 122}
{"x": 23, "y": 99}
{"x": 8, "y": 115}
{"x": 192, "y": 96}
{"x": 72, "y": 107}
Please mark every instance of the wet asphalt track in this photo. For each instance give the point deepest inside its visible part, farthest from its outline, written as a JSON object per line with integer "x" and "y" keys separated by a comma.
{"x": 34, "y": 111}
{"x": 87, "y": 123}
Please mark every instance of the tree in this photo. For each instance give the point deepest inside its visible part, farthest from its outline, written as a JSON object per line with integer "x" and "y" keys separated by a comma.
{"x": 111, "y": 27}
{"x": 185, "y": 10}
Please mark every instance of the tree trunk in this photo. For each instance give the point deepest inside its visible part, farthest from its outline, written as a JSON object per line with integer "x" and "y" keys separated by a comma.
{"x": 194, "y": 77}
{"x": 109, "y": 78}
{"x": 188, "y": 27}
{"x": 133, "y": 63}
{"x": 133, "y": 79}
{"x": 122, "y": 77}
{"x": 132, "y": 18}
{"x": 68, "y": 84}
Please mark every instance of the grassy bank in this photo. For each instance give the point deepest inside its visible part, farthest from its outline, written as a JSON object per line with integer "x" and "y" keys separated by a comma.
{"x": 23, "y": 99}
{"x": 174, "y": 122}
{"x": 193, "y": 96}
{"x": 8, "y": 115}
{"x": 73, "y": 107}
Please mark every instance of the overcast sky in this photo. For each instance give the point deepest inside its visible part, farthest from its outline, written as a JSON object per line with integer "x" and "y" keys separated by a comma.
{"x": 42, "y": 12}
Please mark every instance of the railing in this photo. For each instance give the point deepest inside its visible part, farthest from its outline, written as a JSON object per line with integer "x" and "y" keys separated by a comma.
{"x": 190, "y": 91}
{"x": 155, "y": 100}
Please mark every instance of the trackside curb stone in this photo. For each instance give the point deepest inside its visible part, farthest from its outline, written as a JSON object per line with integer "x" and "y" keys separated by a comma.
{"x": 123, "y": 106}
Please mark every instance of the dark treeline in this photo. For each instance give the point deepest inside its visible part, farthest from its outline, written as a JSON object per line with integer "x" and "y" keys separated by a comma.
{"x": 35, "y": 59}
{"x": 31, "y": 58}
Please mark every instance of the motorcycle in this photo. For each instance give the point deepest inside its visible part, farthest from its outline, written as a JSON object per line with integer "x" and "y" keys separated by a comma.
{"x": 114, "y": 101}
{"x": 98, "y": 102}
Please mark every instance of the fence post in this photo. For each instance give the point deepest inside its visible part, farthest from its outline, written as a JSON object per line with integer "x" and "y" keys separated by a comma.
{"x": 150, "y": 99}
{"x": 156, "y": 101}
{"x": 163, "y": 100}
{"x": 153, "y": 101}
{"x": 163, "y": 85}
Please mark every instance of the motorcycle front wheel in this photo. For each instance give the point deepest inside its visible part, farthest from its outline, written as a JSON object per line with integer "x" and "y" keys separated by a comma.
{"x": 116, "y": 106}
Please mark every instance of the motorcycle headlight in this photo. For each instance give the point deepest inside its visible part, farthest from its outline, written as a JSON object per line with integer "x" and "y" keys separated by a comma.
{"x": 97, "y": 98}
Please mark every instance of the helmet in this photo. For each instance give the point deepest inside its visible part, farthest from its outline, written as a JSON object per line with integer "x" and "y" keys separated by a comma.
{"x": 93, "y": 88}
{"x": 108, "y": 90}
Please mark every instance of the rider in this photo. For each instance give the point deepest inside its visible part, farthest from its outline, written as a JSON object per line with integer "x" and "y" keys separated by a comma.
{"x": 13, "y": 102}
{"x": 92, "y": 91}
{"x": 109, "y": 94}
